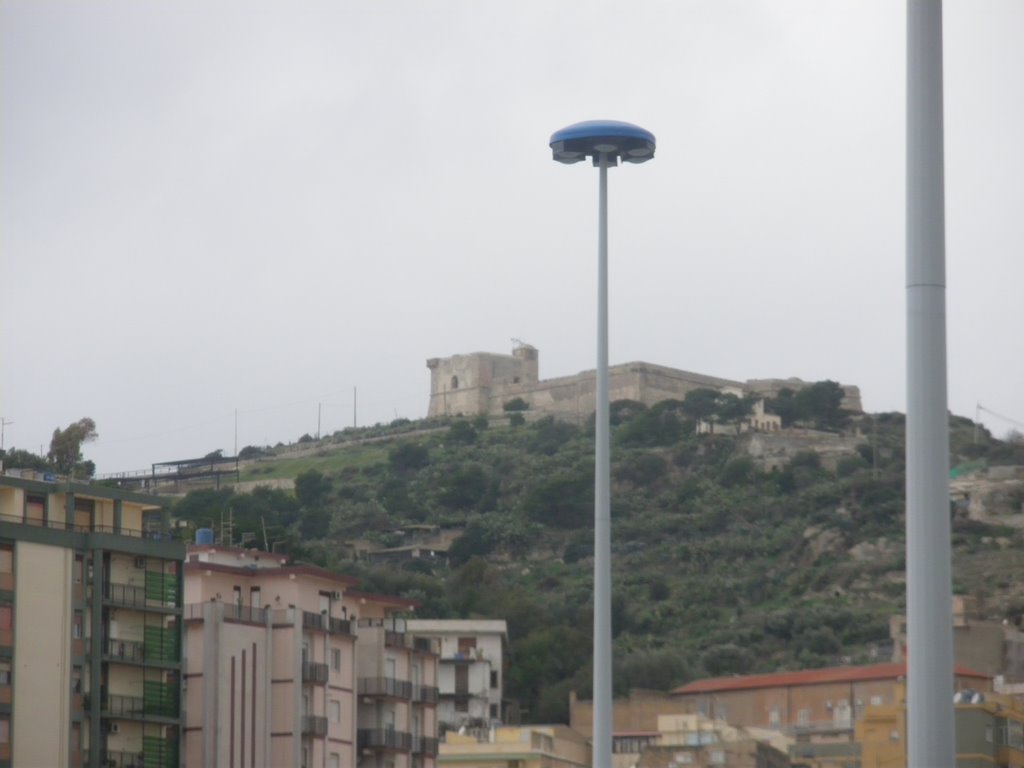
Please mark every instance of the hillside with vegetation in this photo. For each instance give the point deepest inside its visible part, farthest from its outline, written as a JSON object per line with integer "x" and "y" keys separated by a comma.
{"x": 721, "y": 564}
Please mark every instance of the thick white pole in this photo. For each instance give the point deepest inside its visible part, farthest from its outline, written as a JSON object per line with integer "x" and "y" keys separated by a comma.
{"x": 602, "y": 743}
{"x": 930, "y": 708}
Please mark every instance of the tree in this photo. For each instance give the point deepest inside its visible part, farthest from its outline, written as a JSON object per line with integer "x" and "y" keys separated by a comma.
{"x": 701, "y": 403}
{"x": 311, "y": 488}
{"x": 66, "y": 444}
{"x": 408, "y": 456}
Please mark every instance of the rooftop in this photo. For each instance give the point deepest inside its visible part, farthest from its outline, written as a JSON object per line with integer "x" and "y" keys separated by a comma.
{"x": 889, "y": 671}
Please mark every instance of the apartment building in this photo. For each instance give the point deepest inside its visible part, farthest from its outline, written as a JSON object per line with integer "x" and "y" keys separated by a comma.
{"x": 90, "y": 628}
{"x": 397, "y": 685}
{"x": 471, "y": 671}
{"x": 810, "y": 705}
{"x": 989, "y": 732}
{"x": 528, "y": 746}
{"x": 287, "y": 665}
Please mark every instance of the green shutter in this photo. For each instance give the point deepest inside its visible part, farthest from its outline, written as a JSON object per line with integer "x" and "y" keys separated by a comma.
{"x": 161, "y": 644}
{"x": 162, "y": 587}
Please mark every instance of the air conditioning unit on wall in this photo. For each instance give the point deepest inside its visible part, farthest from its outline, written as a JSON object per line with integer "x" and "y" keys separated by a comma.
{"x": 114, "y": 728}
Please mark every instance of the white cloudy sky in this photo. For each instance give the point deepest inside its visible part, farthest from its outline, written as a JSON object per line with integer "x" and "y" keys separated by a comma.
{"x": 259, "y": 206}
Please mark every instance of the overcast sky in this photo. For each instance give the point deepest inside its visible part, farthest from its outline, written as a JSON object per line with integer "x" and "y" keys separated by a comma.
{"x": 259, "y": 206}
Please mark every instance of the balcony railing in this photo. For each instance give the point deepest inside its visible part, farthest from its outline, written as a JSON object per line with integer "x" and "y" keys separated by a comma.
{"x": 387, "y": 687}
{"x": 122, "y": 760}
{"x": 425, "y": 644}
{"x": 339, "y": 626}
{"x": 424, "y": 745}
{"x": 137, "y": 707}
{"x": 314, "y": 672}
{"x": 159, "y": 534}
{"x": 314, "y": 725}
{"x": 394, "y": 639}
{"x": 424, "y": 694}
{"x": 125, "y": 594}
{"x": 249, "y": 614}
{"x": 384, "y": 738}
{"x": 312, "y": 620}
{"x": 124, "y": 650}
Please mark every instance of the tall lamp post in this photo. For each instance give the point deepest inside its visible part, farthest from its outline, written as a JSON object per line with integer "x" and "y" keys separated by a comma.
{"x": 606, "y": 142}
{"x": 930, "y": 710}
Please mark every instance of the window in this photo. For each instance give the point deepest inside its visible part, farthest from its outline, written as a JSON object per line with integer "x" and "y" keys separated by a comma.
{"x": 35, "y": 507}
{"x": 494, "y": 678}
{"x": 5, "y": 672}
{"x": 238, "y": 596}
{"x": 876, "y": 701}
{"x": 76, "y": 680}
{"x": 722, "y": 711}
{"x": 684, "y": 758}
{"x": 336, "y": 659}
{"x": 774, "y": 717}
{"x": 494, "y": 711}
{"x": 803, "y": 717}
{"x": 255, "y": 597}
{"x": 78, "y": 568}
{"x": 5, "y": 729}
{"x": 305, "y": 757}
{"x": 461, "y": 704}
{"x": 334, "y": 711}
{"x": 76, "y": 625}
{"x": 717, "y": 757}
{"x": 6, "y": 559}
{"x": 455, "y": 382}
{"x": 334, "y": 761}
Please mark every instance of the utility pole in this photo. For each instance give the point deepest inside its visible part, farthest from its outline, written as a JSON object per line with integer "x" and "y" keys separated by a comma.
{"x": 319, "y": 408}
{"x": 3, "y": 423}
{"x": 353, "y": 407}
{"x": 236, "y": 431}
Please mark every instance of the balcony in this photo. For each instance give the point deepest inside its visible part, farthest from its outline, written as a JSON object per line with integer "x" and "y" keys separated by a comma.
{"x": 424, "y": 745}
{"x": 385, "y": 687}
{"x": 243, "y": 614}
{"x": 314, "y": 725}
{"x": 130, "y": 651}
{"x": 157, "y": 593}
{"x": 339, "y": 626}
{"x": 312, "y": 620}
{"x": 394, "y": 639}
{"x": 314, "y": 672}
{"x": 122, "y": 760}
{"x": 424, "y": 694}
{"x": 384, "y": 738}
{"x": 126, "y": 595}
{"x": 426, "y": 645}
{"x": 158, "y": 704}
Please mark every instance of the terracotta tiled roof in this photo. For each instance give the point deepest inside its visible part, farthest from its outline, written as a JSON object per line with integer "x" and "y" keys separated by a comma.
{"x": 890, "y": 671}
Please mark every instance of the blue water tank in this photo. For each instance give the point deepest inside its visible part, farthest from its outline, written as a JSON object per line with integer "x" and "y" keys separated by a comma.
{"x": 204, "y": 536}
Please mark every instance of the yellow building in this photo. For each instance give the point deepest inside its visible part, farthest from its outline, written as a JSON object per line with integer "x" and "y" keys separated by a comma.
{"x": 989, "y": 733}
{"x": 528, "y": 746}
{"x": 90, "y": 628}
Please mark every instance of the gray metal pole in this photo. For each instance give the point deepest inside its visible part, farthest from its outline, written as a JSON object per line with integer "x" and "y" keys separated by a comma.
{"x": 930, "y": 708}
{"x": 602, "y": 727}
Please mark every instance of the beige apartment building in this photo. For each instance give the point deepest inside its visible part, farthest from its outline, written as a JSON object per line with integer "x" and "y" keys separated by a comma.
{"x": 288, "y": 666}
{"x": 90, "y": 628}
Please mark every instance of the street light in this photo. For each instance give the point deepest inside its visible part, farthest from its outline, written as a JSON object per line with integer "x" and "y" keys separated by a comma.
{"x": 606, "y": 142}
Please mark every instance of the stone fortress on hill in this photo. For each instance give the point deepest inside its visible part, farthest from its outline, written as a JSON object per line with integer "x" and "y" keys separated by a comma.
{"x": 483, "y": 382}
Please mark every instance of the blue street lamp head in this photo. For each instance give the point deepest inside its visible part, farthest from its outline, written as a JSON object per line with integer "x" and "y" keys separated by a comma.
{"x": 611, "y": 138}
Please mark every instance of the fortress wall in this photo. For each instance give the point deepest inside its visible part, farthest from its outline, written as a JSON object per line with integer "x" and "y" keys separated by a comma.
{"x": 482, "y": 382}
{"x": 770, "y": 388}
